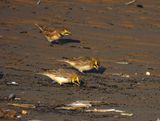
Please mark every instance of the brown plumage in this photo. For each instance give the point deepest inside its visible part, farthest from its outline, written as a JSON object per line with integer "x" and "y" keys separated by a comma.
{"x": 62, "y": 76}
{"x": 83, "y": 63}
{"x": 53, "y": 34}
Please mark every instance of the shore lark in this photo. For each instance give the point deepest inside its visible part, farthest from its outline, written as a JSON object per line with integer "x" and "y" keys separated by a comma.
{"x": 53, "y": 35}
{"x": 62, "y": 76}
{"x": 83, "y": 63}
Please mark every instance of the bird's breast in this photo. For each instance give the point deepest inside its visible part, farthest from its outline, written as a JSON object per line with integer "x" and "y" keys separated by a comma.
{"x": 85, "y": 67}
{"x": 61, "y": 80}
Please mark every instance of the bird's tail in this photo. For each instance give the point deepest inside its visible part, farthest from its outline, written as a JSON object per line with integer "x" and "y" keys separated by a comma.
{"x": 64, "y": 59}
{"x": 42, "y": 73}
{"x": 40, "y": 27}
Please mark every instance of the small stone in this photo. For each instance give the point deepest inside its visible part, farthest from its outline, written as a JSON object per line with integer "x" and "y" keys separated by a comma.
{"x": 148, "y": 73}
{"x": 12, "y": 83}
{"x": 11, "y": 96}
{"x": 19, "y": 116}
{"x": 140, "y": 6}
{"x": 24, "y": 112}
{"x": 1, "y": 75}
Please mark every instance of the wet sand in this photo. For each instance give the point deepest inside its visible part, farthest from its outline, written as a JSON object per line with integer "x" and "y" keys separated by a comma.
{"x": 107, "y": 29}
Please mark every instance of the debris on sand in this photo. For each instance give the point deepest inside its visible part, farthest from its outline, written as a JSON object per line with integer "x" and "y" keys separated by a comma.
{"x": 104, "y": 110}
{"x": 12, "y": 96}
{"x": 7, "y": 113}
{"x": 148, "y": 73}
{"x": 68, "y": 108}
{"x": 86, "y": 106}
{"x": 130, "y": 2}
{"x": 125, "y": 76}
{"x": 158, "y": 119}
{"x": 12, "y": 83}
{"x": 139, "y": 6}
{"x": 123, "y": 113}
{"x": 34, "y": 120}
{"x": 1, "y": 75}
{"x": 123, "y": 62}
{"x": 121, "y": 75}
{"x": 24, "y": 112}
{"x": 109, "y": 8}
{"x": 81, "y": 104}
{"x": 76, "y": 105}
{"x": 38, "y": 2}
{"x": 126, "y": 114}
{"x": 22, "y": 105}
{"x": 11, "y": 114}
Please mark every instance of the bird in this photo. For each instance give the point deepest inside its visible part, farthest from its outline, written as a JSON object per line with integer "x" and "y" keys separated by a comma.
{"x": 53, "y": 35}
{"x": 82, "y": 63}
{"x": 62, "y": 76}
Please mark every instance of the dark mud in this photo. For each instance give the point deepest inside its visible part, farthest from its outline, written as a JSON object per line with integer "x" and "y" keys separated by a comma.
{"x": 109, "y": 30}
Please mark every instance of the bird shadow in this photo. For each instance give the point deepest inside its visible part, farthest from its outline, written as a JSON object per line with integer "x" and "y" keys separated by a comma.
{"x": 1, "y": 75}
{"x": 65, "y": 41}
{"x": 101, "y": 70}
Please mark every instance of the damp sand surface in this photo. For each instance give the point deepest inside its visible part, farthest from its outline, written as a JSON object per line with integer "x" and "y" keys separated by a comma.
{"x": 107, "y": 29}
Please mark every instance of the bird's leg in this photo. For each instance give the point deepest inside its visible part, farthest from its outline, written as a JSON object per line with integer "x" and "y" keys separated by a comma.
{"x": 51, "y": 44}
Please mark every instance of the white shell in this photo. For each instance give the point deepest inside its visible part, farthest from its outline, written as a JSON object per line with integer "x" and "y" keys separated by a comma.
{"x": 148, "y": 73}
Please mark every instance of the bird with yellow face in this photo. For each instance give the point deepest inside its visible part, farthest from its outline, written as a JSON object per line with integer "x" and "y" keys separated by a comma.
{"x": 62, "y": 76}
{"x": 82, "y": 63}
{"x": 53, "y": 35}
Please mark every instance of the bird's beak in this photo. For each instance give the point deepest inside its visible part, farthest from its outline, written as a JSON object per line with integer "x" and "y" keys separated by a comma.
{"x": 96, "y": 67}
{"x": 76, "y": 81}
{"x": 68, "y": 33}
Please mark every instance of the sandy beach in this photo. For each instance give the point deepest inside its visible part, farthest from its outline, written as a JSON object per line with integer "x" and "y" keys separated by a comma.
{"x": 125, "y": 38}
